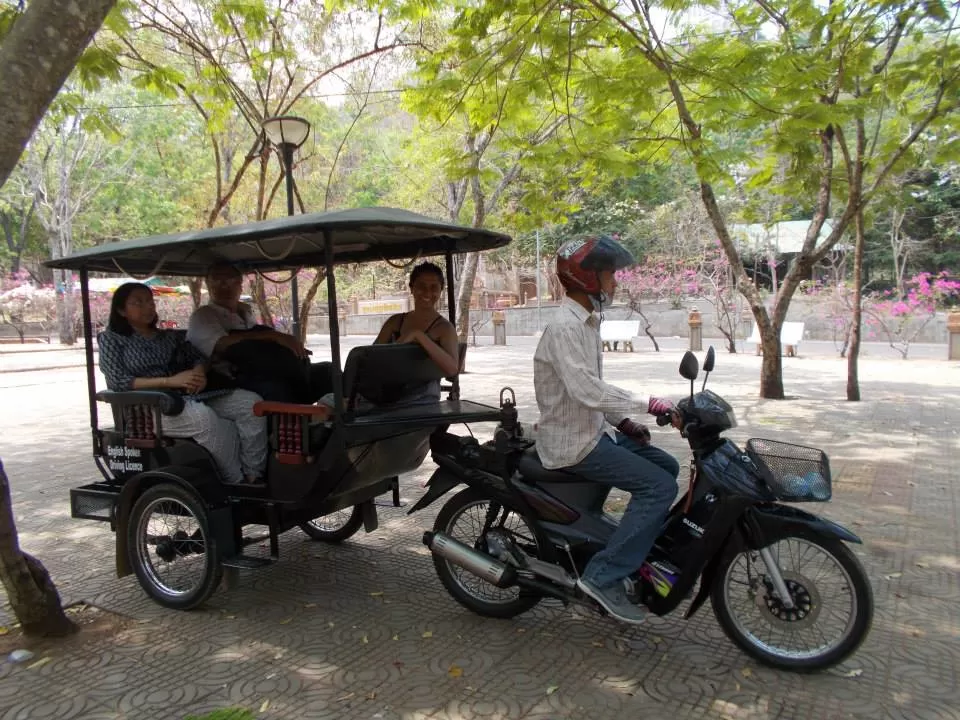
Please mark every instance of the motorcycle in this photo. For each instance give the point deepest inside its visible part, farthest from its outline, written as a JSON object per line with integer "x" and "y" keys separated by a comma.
{"x": 783, "y": 584}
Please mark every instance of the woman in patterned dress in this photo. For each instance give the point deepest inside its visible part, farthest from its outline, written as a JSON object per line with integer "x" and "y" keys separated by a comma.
{"x": 136, "y": 355}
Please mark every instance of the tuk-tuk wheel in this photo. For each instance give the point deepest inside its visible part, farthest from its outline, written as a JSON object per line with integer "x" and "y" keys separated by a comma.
{"x": 335, "y": 527}
{"x": 171, "y": 547}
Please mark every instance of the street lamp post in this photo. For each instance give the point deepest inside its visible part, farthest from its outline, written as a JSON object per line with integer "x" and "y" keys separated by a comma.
{"x": 288, "y": 133}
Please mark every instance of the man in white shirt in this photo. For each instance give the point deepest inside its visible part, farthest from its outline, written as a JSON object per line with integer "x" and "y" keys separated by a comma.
{"x": 578, "y": 412}
{"x": 224, "y": 322}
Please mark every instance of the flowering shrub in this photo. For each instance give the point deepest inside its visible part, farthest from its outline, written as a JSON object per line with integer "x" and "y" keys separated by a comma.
{"x": 707, "y": 277}
{"x": 660, "y": 279}
{"x": 23, "y": 303}
{"x": 902, "y": 318}
{"x": 897, "y": 318}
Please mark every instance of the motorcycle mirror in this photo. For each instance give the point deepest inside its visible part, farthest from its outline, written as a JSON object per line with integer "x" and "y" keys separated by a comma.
{"x": 708, "y": 365}
{"x": 709, "y": 360}
{"x": 689, "y": 366}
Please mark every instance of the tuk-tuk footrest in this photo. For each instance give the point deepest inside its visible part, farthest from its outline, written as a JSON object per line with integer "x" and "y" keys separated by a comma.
{"x": 94, "y": 502}
{"x": 247, "y": 562}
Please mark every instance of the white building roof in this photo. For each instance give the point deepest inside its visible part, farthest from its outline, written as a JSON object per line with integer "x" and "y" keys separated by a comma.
{"x": 782, "y": 237}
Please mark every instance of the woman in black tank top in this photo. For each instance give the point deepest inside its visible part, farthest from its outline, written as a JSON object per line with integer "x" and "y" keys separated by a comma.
{"x": 423, "y": 324}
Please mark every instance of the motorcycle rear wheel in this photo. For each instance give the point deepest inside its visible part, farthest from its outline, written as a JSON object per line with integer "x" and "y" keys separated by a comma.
{"x": 462, "y": 518}
{"x": 752, "y": 616}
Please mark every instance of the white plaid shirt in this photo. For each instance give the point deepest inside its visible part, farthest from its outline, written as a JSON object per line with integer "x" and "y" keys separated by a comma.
{"x": 211, "y": 322}
{"x": 576, "y": 406}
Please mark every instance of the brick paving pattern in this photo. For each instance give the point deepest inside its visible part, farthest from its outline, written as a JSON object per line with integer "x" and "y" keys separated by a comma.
{"x": 365, "y": 630}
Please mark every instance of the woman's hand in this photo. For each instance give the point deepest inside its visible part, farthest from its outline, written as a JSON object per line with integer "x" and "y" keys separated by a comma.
{"x": 191, "y": 381}
{"x": 200, "y": 372}
{"x": 414, "y": 336}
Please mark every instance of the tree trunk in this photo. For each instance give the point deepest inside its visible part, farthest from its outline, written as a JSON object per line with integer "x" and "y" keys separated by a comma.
{"x": 856, "y": 322}
{"x": 66, "y": 309}
{"x": 307, "y": 303}
{"x": 30, "y": 591}
{"x": 771, "y": 377}
{"x": 37, "y": 55}
{"x": 771, "y": 371}
{"x": 466, "y": 293}
{"x": 731, "y": 341}
{"x": 259, "y": 293}
{"x": 196, "y": 291}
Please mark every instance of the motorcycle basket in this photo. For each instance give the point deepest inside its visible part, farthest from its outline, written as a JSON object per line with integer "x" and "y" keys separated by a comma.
{"x": 794, "y": 473}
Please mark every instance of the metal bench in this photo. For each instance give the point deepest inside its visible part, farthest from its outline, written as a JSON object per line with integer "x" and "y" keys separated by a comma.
{"x": 790, "y": 336}
{"x": 613, "y": 332}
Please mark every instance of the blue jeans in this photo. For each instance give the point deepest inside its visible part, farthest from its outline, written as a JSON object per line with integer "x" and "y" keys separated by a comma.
{"x": 650, "y": 476}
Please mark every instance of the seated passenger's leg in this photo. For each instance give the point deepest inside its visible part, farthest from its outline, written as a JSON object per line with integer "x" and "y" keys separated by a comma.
{"x": 218, "y": 435}
{"x": 252, "y": 430}
{"x": 276, "y": 389}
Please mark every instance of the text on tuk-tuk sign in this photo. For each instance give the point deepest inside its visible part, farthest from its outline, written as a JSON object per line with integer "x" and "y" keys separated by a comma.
{"x": 120, "y": 459}
{"x": 381, "y": 307}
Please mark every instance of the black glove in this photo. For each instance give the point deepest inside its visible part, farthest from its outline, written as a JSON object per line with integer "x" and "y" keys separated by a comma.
{"x": 634, "y": 430}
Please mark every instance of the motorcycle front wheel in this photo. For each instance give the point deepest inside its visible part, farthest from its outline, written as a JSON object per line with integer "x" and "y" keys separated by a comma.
{"x": 832, "y": 604}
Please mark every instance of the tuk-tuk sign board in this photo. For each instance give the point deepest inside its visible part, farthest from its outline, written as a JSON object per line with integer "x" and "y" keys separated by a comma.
{"x": 122, "y": 459}
{"x": 382, "y": 307}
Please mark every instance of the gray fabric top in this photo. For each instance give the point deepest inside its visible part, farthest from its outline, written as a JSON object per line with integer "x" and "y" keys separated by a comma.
{"x": 359, "y": 235}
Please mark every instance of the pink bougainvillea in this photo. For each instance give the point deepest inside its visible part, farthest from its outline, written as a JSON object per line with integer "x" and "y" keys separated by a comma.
{"x": 897, "y": 318}
{"x": 901, "y": 318}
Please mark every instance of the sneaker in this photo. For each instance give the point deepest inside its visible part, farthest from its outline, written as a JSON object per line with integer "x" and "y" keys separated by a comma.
{"x": 614, "y": 600}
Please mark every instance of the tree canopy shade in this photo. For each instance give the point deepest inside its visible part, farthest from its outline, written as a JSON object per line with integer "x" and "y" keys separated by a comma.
{"x": 802, "y": 79}
{"x": 359, "y": 235}
{"x": 36, "y": 56}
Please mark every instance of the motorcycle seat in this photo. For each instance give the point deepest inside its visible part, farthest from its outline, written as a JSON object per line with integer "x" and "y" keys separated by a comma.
{"x": 532, "y": 470}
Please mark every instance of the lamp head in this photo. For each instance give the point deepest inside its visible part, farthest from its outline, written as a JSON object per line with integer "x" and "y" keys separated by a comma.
{"x": 286, "y": 130}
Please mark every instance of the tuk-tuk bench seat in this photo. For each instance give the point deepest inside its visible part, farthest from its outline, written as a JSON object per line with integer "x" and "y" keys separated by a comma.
{"x": 384, "y": 422}
{"x": 138, "y": 414}
{"x": 380, "y": 374}
{"x": 298, "y": 432}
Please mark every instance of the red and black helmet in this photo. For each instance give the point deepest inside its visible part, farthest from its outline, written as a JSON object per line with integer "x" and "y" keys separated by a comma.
{"x": 579, "y": 262}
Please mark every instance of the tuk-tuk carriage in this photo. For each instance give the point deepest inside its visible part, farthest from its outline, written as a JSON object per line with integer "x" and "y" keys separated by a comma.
{"x": 178, "y": 526}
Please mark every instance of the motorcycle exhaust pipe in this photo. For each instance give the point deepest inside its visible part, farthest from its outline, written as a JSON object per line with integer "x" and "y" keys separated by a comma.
{"x": 478, "y": 563}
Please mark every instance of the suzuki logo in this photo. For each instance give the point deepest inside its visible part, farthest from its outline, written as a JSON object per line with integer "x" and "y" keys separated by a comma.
{"x": 693, "y": 526}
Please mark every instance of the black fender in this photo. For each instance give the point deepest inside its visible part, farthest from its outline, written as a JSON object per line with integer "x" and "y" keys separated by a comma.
{"x": 769, "y": 523}
{"x": 440, "y": 483}
{"x": 203, "y": 482}
{"x": 730, "y": 546}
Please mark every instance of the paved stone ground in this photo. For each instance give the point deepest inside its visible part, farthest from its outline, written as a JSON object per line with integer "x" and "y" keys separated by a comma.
{"x": 365, "y": 630}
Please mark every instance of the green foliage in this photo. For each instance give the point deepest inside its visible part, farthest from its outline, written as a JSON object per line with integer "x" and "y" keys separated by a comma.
{"x": 225, "y": 714}
{"x": 9, "y": 13}
{"x": 576, "y": 100}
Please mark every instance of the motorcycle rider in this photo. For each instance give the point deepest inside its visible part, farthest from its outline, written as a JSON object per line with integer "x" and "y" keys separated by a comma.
{"x": 578, "y": 412}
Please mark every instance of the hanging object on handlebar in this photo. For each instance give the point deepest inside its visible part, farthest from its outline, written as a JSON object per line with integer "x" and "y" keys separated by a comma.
{"x": 509, "y": 433}
{"x": 508, "y": 410}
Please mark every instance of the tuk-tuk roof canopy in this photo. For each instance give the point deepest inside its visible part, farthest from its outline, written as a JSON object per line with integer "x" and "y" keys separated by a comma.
{"x": 359, "y": 235}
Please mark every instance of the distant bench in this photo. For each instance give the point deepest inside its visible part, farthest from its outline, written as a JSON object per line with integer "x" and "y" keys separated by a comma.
{"x": 619, "y": 331}
{"x": 790, "y": 336}
{"x": 29, "y": 336}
